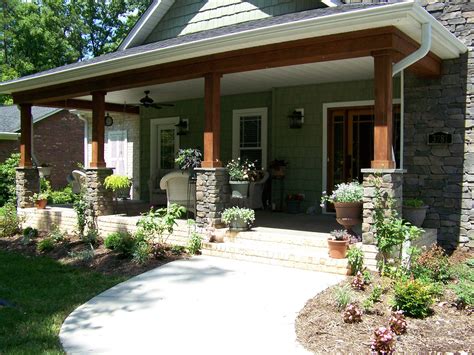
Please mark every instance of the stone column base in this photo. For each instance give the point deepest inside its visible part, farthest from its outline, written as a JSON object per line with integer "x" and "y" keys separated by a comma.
{"x": 27, "y": 184}
{"x": 99, "y": 198}
{"x": 392, "y": 185}
{"x": 212, "y": 196}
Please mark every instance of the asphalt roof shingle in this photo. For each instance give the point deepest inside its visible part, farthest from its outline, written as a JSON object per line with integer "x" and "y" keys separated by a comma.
{"x": 221, "y": 31}
{"x": 10, "y": 117}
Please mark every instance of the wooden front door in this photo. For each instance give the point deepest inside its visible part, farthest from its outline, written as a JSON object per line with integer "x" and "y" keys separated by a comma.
{"x": 351, "y": 143}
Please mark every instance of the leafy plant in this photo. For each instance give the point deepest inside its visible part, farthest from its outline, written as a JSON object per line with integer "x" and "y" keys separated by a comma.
{"x": 376, "y": 293}
{"x": 345, "y": 192}
{"x": 383, "y": 341}
{"x": 81, "y": 206}
{"x": 342, "y": 296}
{"x": 178, "y": 249}
{"x": 142, "y": 252}
{"x": 367, "y": 305}
{"x": 464, "y": 291}
{"x": 41, "y": 196}
{"x": 188, "y": 158}
{"x": 358, "y": 282}
{"x": 355, "y": 259}
{"x": 28, "y": 234}
{"x": 117, "y": 182}
{"x": 367, "y": 277}
{"x": 352, "y": 314}
{"x": 413, "y": 202}
{"x": 122, "y": 242}
{"x": 340, "y": 234}
{"x": 194, "y": 243}
{"x": 413, "y": 297}
{"x": 62, "y": 197}
{"x": 85, "y": 255}
{"x": 433, "y": 264}
{"x": 398, "y": 323}
{"x": 160, "y": 223}
{"x": 45, "y": 245}
{"x": 7, "y": 179}
{"x": 56, "y": 234}
{"x": 240, "y": 170}
{"x": 91, "y": 237}
{"x": 238, "y": 213}
{"x": 9, "y": 221}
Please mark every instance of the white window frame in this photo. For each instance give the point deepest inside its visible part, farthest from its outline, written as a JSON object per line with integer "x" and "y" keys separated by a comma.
{"x": 236, "y": 115}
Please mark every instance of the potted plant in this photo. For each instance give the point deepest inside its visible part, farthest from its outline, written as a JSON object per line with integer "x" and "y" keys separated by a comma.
{"x": 338, "y": 244}
{"x": 347, "y": 200}
{"x": 278, "y": 168}
{"x": 293, "y": 203}
{"x": 119, "y": 185}
{"x": 189, "y": 159}
{"x": 41, "y": 200}
{"x": 414, "y": 211}
{"x": 238, "y": 218}
{"x": 240, "y": 172}
{"x": 44, "y": 170}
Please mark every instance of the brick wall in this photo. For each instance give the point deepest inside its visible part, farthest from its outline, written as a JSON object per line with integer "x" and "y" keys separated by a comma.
{"x": 58, "y": 140}
{"x": 7, "y": 148}
{"x": 443, "y": 176}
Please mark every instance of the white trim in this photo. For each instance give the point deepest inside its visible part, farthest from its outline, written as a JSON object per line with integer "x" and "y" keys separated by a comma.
{"x": 154, "y": 123}
{"x": 332, "y": 3}
{"x": 236, "y": 115}
{"x": 9, "y": 136}
{"x": 408, "y": 16}
{"x": 86, "y": 138}
{"x": 326, "y": 107}
{"x": 402, "y": 117}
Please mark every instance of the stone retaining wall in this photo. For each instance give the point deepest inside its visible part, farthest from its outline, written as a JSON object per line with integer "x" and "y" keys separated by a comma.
{"x": 27, "y": 184}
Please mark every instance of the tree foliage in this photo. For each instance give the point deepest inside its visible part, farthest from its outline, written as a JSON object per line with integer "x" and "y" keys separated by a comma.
{"x": 42, "y": 34}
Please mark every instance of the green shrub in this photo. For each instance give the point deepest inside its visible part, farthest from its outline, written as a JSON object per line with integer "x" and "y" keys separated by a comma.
{"x": 121, "y": 242}
{"x": 85, "y": 255}
{"x": 160, "y": 223}
{"x": 178, "y": 249}
{"x": 141, "y": 252}
{"x": 91, "y": 237}
{"x": 194, "y": 243}
{"x": 464, "y": 291}
{"x": 432, "y": 264}
{"x": 47, "y": 244}
{"x": 62, "y": 197}
{"x": 376, "y": 293}
{"x": 9, "y": 221}
{"x": 56, "y": 234}
{"x": 355, "y": 259}
{"x": 7, "y": 179}
{"x": 413, "y": 297}
{"x": 413, "y": 202}
{"x": 117, "y": 182}
{"x": 342, "y": 296}
{"x": 28, "y": 234}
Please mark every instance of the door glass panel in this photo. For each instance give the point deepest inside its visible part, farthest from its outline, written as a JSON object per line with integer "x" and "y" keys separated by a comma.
{"x": 251, "y": 139}
{"x": 167, "y": 145}
{"x": 339, "y": 153}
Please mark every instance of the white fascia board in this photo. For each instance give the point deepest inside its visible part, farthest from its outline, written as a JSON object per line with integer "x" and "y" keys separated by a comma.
{"x": 332, "y": 3}
{"x": 146, "y": 23}
{"x": 8, "y": 136}
{"x": 397, "y": 14}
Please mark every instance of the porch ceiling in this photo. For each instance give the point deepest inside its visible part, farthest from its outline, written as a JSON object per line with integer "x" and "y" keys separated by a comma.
{"x": 253, "y": 81}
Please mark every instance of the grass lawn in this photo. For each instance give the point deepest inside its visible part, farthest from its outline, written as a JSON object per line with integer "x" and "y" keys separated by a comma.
{"x": 44, "y": 292}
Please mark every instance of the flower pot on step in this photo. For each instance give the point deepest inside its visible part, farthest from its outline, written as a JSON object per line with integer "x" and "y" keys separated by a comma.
{"x": 41, "y": 204}
{"x": 337, "y": 248}
{"x": 240, "y": 189}
{"x": 238, "y": 225}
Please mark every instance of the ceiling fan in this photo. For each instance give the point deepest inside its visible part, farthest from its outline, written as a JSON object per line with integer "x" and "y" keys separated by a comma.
{"x": 147, "y": 102}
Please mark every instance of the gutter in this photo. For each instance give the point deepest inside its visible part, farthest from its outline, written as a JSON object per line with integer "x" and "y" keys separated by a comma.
{"x": 419, "y": 53}
{"x": 8, "y": 136}
{"x": 394, "y": 14}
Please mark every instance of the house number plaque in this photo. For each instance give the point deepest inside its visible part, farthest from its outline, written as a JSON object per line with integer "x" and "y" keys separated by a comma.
{"x": 440, "y": 138}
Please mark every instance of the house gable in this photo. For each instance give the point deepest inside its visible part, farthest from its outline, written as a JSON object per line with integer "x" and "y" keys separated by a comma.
{"x": 191, "y": 16}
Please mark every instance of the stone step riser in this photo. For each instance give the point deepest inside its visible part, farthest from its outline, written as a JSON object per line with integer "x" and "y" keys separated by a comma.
{"x": 276, "y": 240}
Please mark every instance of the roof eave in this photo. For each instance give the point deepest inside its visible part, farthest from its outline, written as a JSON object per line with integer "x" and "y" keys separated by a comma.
{"x": 373, "y": 17}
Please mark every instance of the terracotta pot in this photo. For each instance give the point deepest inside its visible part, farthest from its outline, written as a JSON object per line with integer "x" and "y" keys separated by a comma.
{"x": 41, "y": 204}
{"x": 337, "y": 248}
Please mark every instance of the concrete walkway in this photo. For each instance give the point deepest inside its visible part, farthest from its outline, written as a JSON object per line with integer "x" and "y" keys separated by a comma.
{"x": 205, "y": 305}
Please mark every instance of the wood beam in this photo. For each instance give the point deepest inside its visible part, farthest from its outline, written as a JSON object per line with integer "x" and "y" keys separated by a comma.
{"x": 87, "y": 105}
{"x": 98, "y": 129}
{"x": 26, "y": 126}
{"x": 325, "y": 48}
{"x": 212, "y": 125}
{"x": 383, "y": 125}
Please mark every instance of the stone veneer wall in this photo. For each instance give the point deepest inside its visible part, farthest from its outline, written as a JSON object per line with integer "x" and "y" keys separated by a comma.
{"x": 212, "y": 195}
{"x": 27, "y": 183}
{"x": 443, "y": 176}
{"x": 98, "y": 197}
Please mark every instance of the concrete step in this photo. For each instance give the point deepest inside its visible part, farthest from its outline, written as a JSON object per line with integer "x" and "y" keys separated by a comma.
{"x": 300, "y": 257}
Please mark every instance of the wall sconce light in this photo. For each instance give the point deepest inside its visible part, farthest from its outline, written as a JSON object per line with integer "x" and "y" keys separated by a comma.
{"x": 183, "y": 126}
{"x": 296, "y": 118}
{"x": 108, "y": 120}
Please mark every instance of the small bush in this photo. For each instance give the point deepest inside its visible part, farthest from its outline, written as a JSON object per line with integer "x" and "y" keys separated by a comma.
{"x": 342, "y": 296}
{"x": 85, "y": 255}
{"x": 398, "y": 323}
{"x": 7, "y": 179}
{"x": 367, "y": 305}
{"x": 352, "y": 314}
{"x": 45, "y": 245}
{"x": 433, "y": 264}
{"x": 56, "y": 234}
{"x": 141, "y": 252}
{"x": 368, "y": 277}
{"x": 355, "y": 259}
{"x": 413, "y": 297}
{"x": 121, "y": 242}
{"x": 194, "y": 243}
{"x": 464, "y": 294}
{"x": 91, "y": 237}
{"x": 383, "y": 341}
{"x": 62, "y": 197}
{"x": 376, "y": 293}
{"x": 178, "y": 249}
{"x": 30, "y": 233}
{"x": 9, "y": 221}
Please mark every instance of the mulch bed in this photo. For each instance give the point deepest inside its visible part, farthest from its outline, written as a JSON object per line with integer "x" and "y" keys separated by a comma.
{"x": 320, "y": 327}
{"x": 105, "y": 261}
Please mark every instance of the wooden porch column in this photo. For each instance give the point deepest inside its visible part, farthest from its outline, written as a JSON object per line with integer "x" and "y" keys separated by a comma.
{"x": 383, "y": 125}
{"x": 212, "y": 127}
{"x": 26, "y": 135}
{"x": 98, "y": 129}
